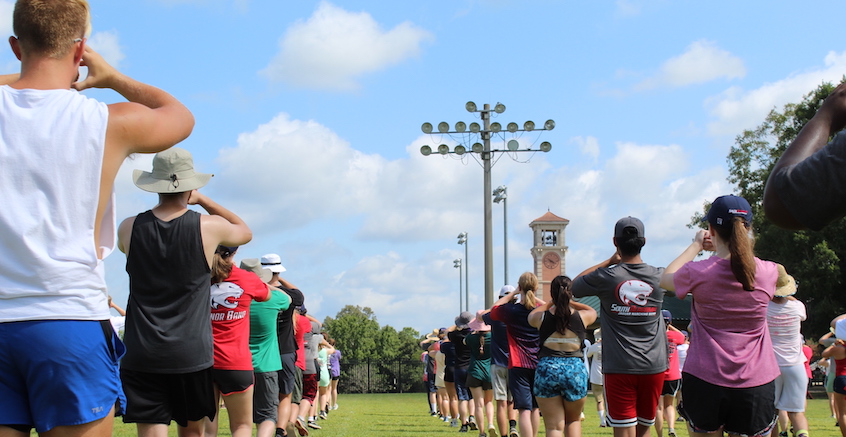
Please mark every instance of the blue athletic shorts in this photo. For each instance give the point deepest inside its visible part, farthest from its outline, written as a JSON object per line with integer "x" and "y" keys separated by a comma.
{"x": 461, "y": 390}
{"x": 58, "y": 373}
{"x": 561, "y": 376}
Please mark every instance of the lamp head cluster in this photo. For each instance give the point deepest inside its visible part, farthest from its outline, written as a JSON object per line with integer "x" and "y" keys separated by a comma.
{"x": 457, "y": 263}
{"x": 462, "y": 238}
{"x": 495, "y": 127}
{"x": 500, "y": 193}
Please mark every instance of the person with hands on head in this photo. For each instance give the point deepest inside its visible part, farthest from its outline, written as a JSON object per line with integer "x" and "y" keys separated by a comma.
{"x": 523, "y": 340}
{"x": 634, "y": 346}
{"x": 170, "y": 251}
{"x": 837, "y": 353}
{"x": 61, "y": 152}
{"x": 561, "y": 378}
{"x": 728, "y": 377}
{"x": 807, "y": 186}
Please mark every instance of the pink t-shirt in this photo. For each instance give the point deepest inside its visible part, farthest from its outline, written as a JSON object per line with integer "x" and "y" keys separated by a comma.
{"x": 730, "y": 344}
{"x": 230, "y": 316}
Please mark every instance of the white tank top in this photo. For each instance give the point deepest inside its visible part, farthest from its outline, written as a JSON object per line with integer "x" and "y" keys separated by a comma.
{"x": 51, "y": 158}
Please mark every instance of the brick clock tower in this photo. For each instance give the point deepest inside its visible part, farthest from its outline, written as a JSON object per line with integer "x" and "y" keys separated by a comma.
{"x": 549, "y": 250}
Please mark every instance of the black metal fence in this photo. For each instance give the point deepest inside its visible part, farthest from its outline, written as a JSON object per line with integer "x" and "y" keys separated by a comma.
{"x": 379, "y": 376}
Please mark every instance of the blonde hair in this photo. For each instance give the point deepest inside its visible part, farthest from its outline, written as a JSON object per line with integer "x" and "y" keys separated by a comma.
{"x": 528, "y": 285}
{"x": 49, "y": 27}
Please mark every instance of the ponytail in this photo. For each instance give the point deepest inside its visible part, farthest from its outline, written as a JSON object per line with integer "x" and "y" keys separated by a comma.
{"x": 740, "y": 246}
{"x": 560, "y": 293}
{"x": 222, "y": 264}
{"x": 528, "y": 284}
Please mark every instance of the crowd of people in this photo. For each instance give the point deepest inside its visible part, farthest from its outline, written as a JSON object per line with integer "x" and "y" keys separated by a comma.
{"x": 197, "y": 328}
{"x": 740, "y": 368}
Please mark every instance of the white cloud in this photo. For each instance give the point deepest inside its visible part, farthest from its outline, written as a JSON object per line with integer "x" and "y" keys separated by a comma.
{"x": 6, "y": 8}
{"x": 108, "y": 46}
{"x": 628, "y": 8}
{"x": 702, "y": 61}
{"x": 589, "y": 146}
{"x": 334, "y": 47}
{"x": 736, "y": 109}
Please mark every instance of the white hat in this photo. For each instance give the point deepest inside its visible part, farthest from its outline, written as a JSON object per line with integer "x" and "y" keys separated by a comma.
{"x": 272, "y": 262}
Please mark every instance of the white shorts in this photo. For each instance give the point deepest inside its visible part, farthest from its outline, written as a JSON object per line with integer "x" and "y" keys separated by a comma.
{"x": 499, "y": 380}
{"x": 790, "y": 388}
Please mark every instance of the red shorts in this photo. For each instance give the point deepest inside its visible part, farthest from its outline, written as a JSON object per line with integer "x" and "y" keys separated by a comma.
{"x": 310, "y": 387}
{"x": 632, "y": 399}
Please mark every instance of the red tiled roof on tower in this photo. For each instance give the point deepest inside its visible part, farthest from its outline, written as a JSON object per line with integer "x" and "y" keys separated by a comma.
{"x": 550, "y": 217}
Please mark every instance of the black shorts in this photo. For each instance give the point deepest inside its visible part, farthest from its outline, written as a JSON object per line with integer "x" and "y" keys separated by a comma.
{"x": 671, "y": 387}
{"x": 745, "y": 411}
{"x": 162, "y": 397}
{"x": 473, "y": 382}
{"x": 233, "y": 381}
{"x": 449, "y": 374}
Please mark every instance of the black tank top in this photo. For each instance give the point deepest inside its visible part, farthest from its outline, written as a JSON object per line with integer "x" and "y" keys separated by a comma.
{"x": 168, "y": 327}
{"x": 548, "y": 327}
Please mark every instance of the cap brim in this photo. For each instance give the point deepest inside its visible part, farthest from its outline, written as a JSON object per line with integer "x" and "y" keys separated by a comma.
{"x": 276, "y": 268}
{"x": 145, "y": 181}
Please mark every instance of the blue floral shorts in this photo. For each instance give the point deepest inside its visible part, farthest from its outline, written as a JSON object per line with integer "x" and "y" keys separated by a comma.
{"x": 558, "y": 376}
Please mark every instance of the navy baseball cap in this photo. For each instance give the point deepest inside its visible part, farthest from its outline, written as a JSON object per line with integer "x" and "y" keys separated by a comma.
{"x": 667, "y": 315}
{"x": 727, "y": 207}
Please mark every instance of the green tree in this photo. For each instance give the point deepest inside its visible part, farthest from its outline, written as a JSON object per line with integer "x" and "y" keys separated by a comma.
{"x": 355, "y": 331}
{"x": 813, "y": 258}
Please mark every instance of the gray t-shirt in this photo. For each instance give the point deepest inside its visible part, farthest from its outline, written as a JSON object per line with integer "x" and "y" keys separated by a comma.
{"x": 312, "y": 341}
{"x": 633, "y": 339}
{"x": 814, "y": 190}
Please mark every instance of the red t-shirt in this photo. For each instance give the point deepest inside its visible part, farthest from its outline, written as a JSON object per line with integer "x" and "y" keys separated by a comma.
{"x": 303, "y": 326}
{"x": 674, "y": 338}
{"x": 808, "y": 352}
{"x": 230, "y": 318}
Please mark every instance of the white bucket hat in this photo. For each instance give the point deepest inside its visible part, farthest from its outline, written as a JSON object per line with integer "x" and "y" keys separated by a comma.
{"x": 272, "y": 262}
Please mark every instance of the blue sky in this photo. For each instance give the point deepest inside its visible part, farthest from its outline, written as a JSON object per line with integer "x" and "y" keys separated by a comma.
{"x": 309, "y": 113}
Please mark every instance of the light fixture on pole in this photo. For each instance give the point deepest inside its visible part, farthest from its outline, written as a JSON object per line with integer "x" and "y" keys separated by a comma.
{"x": 457, "y": 264}
{"x": 462, "y": 239}
{"x": 485, "y": 152}
{"x": 501, "y": 195}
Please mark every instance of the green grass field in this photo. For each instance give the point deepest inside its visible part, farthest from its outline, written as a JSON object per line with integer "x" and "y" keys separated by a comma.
{"x": 397, "y": 415}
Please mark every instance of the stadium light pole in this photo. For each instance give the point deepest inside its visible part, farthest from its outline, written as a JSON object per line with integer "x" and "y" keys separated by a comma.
{"x": 457, "y": 264}
{"x": 462, "y": 239}
{"x": 485, "y": 152}
{"x": 501, "y": 195}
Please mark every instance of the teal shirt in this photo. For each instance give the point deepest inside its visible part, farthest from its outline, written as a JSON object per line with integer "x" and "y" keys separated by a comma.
{"x": 263, "y": 340}
{"x": 480, "y": 355}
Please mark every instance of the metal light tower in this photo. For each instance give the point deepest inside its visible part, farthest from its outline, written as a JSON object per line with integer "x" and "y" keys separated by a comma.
{"x": 501, "y": 195}
{"x": 462, "y": 239}
{"x": 457, "y": 264}
{"x": 485, "y": 152}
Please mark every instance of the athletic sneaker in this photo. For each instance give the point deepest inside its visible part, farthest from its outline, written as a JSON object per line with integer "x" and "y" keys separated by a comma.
{"x": 453, "y": 423}
{"x": 512, "y": 432}
{"x": 671, "y": 434}
{"x": 471, "y": 422}
{"x": 335, "y": 407}
{"x": 463, "y": 428}
{"x": 312, "y": 424}
{"x": 322, "y": 415}
{"x": 492, "y": 431}
{"x": 301, "y": 428}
